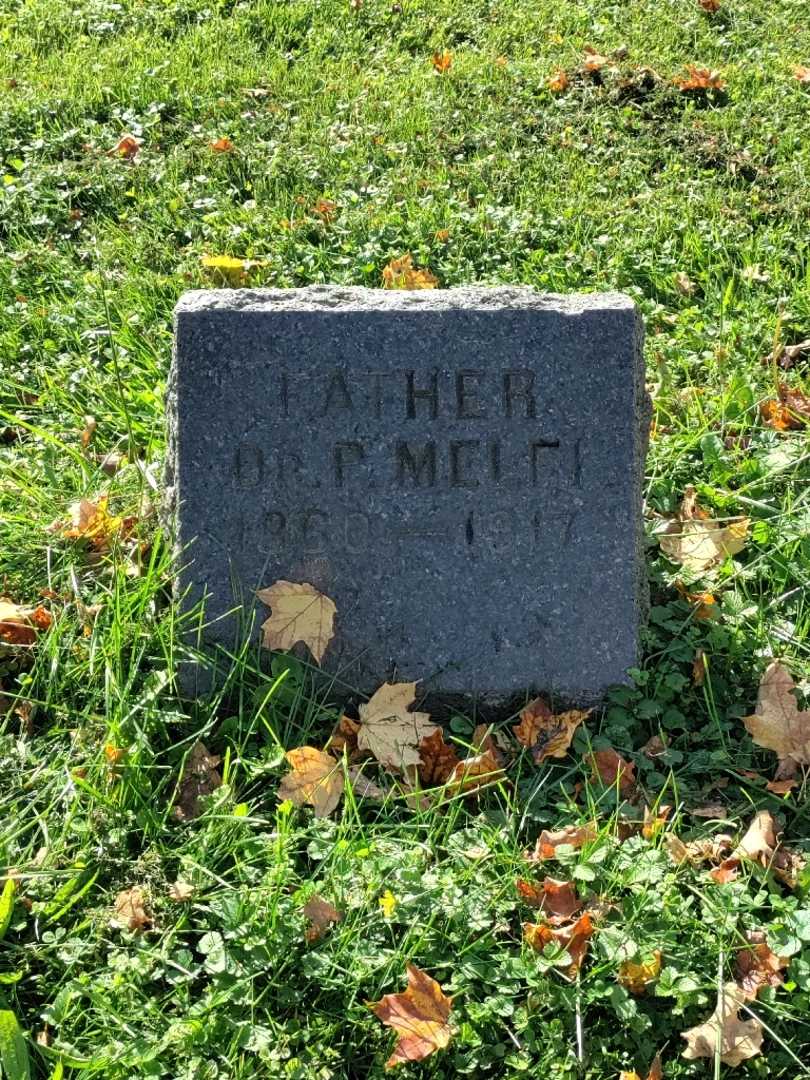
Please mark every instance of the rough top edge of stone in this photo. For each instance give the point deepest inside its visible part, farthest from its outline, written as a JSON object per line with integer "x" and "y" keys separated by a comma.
{"x": 355, "y": 298}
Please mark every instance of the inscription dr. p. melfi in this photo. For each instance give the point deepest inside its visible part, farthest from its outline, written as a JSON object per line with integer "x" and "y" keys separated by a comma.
{"x": 414, "y": 461}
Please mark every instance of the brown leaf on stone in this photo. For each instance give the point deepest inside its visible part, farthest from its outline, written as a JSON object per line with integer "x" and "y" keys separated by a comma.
{"x": 437, "y": 760}
{"x": 181, "y": 891}
{"x": 129, "y": 911}
{"x": 573, "y": 835}
{"x": 758, "y": 966}
{"x": 316, "y": 779}
{"x": 321, "y": 915}
{"x": 299, "y": 612}
{"x": 778, "y": 723}
{"x": 738, "y": 1039}
{"x": 636, "y": 977}
{"x": 611, "y": 769}
{"x": 388, "y": 728}
{"x": 573, "y": 937}
{"x": 544, "y": 733}
{"x": 198, "y": 779}
{"x": 420, "y": 1016}
{"x": 558, "y": 900}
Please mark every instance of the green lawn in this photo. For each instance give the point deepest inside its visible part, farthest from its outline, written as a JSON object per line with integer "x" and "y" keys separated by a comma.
{"x": 348, "y": 149}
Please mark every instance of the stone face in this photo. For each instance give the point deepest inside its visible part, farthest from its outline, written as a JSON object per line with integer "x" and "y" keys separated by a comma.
{"x": 459, "y": 470}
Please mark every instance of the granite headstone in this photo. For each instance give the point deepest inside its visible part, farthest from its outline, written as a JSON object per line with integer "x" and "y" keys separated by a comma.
{"x": 459, "y": 470}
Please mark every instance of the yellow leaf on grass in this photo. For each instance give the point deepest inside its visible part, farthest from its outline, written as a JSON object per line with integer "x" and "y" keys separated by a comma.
{"x": 778, "y": 723}
{"x": 738, "y": 1039}
{"x": 558, "y": 82}
{"x": 636, "y": 977}
{"x": 298, "y": 613}
{"x": 545, "y": 733}
{"x": 227, "y": 270}
{"x": 420, "y": 1016}
{"x": 316, "y": 779}
{"x": 802, "y": 73}
{"x": 389, "y": 730}
{"x": 401, "y": 274}
{"x": 91, "y": 521}
{"x": 388, "y": 903}
{"x": 698, "y": 542}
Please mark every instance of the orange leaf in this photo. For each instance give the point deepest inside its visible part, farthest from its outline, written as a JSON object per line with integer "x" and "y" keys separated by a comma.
{"x": 757, "y": 966}
{"x": 782, "y": 787}
{"x": 442, "y": 61}
{"x": 802, "y": 74}
{"x": 656, "y": 1072}
{"x": 19, "y": 625}
{"x": 573, "y": 938}
{"x": 127, "y": 147}
{"x": 316, "y": 778}
{"x": 558, "y": 82}
{"x": 420, "y": 1017}
{"x": 437, "y": 760}
{"x": 637, "y": 977}
{"x": 557, "y": 899}
{"x": 130, "y": 911}
{"x": 574, "y": 835}
{"x": 545, "y": 734}
{"x": 611, "y": 769}
{"x": 321, "y": 915}
{"x": 699, "y": 79}
{"x": 710, "y": 5}
{"x": 476, "y": 772}
{"x": 92, "y": 522}
{"x": 222, "y": 146}
{"x": 401, "y": 274}
{"x": 654, "y": 822}
{"x": 593, "y": 60}
{"x": 344, "y": 738}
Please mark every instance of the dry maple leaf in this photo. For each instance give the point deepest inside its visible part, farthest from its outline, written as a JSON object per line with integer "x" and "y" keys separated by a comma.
{"x": 656, "y": 1071}
{"x": 573, "y": 835}
{"x": 557, "y": 900}
{"x": 19, "y": 625}
{"x": 738, "y": 1039}
{"x": 442, "y": 61}
{"x": 698, "y": 542}
{"x": 802, "y": 73}
{"x": 389, "y": 730}
{"x": 420, "y": 1017}
{"x": 547, "y": 734}
{"x": 316, "y": 779}
{"x": 782, "y": 787}
{"x": 789, "y": 412}
{"x": 129, "y": 911}
{"x": 710, "y": 5}
{"x": 480, "y": 769}
{"x": 700, "y": 79}
{"x": 127, "y": 147}
{"x": 344, "y": 739}
{"x": 760, "y": 845}
{"x": 757, "y": 966}
{"x": 437, "y": 760}
{"x": 298, "y": 613}
{"x": 401, "y": 274}
{"x": 636, "y": 977}
{"x": 321, "y": 915}
{"x": 181, "y": 891}
{"x": 611, "y": 769}
{"x": 778, "y": 723}
{"x": 198, "y": 779}
{"x": 558, "y": 82}
{"x": 91, "y": 521}
{"x": 222, "y": 146}
{"x": 573, "y": 938}
{"x": 593, "y": 61}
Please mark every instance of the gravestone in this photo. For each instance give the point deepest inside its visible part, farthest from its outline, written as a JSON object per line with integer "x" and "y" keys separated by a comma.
{"x": 459, "y": 470}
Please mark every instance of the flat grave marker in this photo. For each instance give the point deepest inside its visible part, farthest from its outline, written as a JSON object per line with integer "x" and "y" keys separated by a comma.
{"x": 459, "y": 470}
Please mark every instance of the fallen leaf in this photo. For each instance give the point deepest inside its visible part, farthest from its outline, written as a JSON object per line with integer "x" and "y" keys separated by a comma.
{"x": 229, "y": 270}
{"x": 363, "y": 787}
{"x": 778, "y": 723}
{"x": 757, "y": 966}
{"x": 558, "y": 900}
{"x": 789, "y": 412}
{"x": 709, "y": 810}
{"x": 700, "y": 79}
{"x": 786, "y": 356}
{"x": 760, "y": 845}
{"x": 20, "y": 625}
{"x": 298, "y": 613}
{"x": 316, "y": 779}
{"x": 705, "y": 603}
{"x": 710, "y": 5}
{"x": 656, "y": 1072}
{"x": 684, "y": 283}
{"x": 573, "y": 938}
{"x": 181, "y": 891}
{"x": 611, "y": 769}
{"x": 222, "y": 146}
{"x": 699, "y": 668}
{"x": 802, "y": 74}
{"x": 389, "y": 730}
{"x": 127, "y": 147}
{"x": 698, "y": 542}
{"x": 636, "y": 977}
{"x": 437, "y": 760}
{"x": 544, "y": 733}
{"x": 198, "y": 779}
{"x": 344, "y": 739}
{"x": 654, "y": 747}
{"x": 442, "y": 61}
{"x": 573, "y": 835}
{"x": 738, "y": 1039}
{"x": 321, "y": 915}
{"x": 594, "y": 61}
{"x": 420, "y": 1017}
{"x": 401, "y": 274}
{"x": 782, "y": 787}
{"x": 558, "y": 82}
{"x": 91, "y": 521}
{"x": 90, "y": 425}
{"x": 476, "y": 772}
{"x": 129, "y": 911}
{"x": 654, "y": 821}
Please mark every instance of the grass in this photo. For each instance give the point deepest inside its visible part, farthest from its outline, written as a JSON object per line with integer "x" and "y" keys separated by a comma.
{"x": 485, "y": 175}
